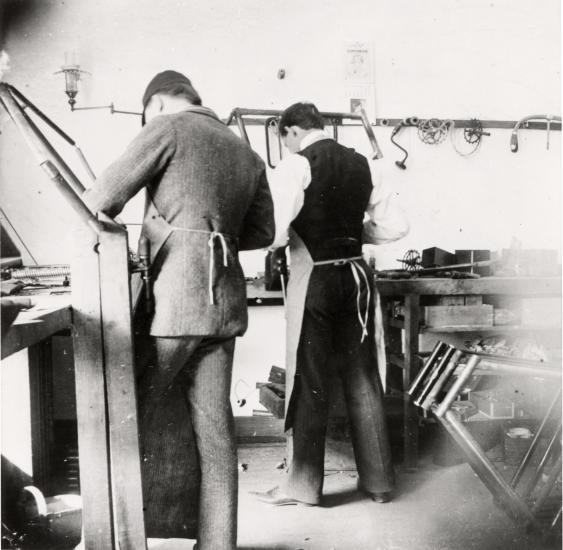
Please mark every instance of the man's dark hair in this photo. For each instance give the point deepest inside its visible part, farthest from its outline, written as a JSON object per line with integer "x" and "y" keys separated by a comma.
{"x": 304, "y": 115}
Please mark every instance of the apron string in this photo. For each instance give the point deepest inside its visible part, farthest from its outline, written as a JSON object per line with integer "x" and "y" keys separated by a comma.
{"x": 356, "y": 268}
{"x": 211, "y": 244}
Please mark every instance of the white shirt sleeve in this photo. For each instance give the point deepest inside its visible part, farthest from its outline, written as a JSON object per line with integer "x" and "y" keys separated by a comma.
{"x": 287, "y": 184}
{"x": 387, "y": 221}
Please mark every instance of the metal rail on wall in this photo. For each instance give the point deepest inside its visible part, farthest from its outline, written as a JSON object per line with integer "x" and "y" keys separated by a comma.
{"x": 431, "y": 131}
{"x": 269, "y": 117}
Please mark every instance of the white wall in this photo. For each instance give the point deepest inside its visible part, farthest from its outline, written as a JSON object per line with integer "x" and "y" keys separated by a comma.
{"x": 492, "y": 59}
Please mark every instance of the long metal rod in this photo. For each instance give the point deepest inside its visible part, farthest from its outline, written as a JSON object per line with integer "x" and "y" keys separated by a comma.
{"x": 85, "y": 163}
{"x": 378, "y": 154}
{"x": 242, "y": 129}
{"x": 457, "y": 385}
{"x": 38, "y": 143}
{"x": 539, "y": 433}
{"x": 381, "y": 121}
{"x": 433, "y": 376}
{"x": 489, "y": 475}
{"x": 49, "y": 159}
{"x": 439, "y": 348}
{"x": 520, "y": 370}
{"x": 548, "y": 485}
{"x": 442, "y": 380}
{"x": 553, "y": 444}
{"x": 41, "y": 115}
{"x": 27, "y": 103}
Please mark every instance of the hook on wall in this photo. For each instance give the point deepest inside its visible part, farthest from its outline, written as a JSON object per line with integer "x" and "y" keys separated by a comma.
{"x": 411, "y": 121}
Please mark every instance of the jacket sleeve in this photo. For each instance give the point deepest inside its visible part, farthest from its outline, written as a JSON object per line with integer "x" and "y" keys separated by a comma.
{"x": 258, "y": 229}
{"x": 145, "y": 158}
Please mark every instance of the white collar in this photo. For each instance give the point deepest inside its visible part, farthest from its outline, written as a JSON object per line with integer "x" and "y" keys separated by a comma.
{"x": 313, "y": 137}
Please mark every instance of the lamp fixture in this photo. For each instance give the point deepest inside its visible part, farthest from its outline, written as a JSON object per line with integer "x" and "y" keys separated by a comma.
{"x": 73, "y": 73}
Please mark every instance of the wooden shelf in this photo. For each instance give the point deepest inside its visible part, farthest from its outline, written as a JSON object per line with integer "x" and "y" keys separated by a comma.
{"x": 488, "y": 328}
{"x": 399, "y": 323}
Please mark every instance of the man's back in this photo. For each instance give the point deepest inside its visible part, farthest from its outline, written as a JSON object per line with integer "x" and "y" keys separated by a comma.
{"x": 207, "y": 197}
{"x": 335, "y": 201}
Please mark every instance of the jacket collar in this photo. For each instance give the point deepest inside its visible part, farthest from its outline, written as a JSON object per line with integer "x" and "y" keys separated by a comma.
{"x": 201, "y": 110}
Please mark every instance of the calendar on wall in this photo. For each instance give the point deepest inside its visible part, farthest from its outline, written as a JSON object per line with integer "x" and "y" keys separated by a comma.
{"x": 358, "y": 76}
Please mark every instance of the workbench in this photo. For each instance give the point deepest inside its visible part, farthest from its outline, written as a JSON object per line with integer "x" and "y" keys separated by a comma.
{"x": 411, "y": 290}
{"x": 33, "y": 330}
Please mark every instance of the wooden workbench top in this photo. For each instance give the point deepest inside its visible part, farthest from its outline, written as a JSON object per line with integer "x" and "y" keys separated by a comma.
{"x": 49, "y": 315}
{"x": 522, "y": 286}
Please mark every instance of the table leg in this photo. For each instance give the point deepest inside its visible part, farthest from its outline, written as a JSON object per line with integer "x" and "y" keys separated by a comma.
{"x": 41, "y": 400}
{"x": 410, "y": 422}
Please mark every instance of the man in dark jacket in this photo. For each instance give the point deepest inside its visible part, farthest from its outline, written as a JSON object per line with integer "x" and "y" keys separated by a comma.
{"x": 207, "y": 197}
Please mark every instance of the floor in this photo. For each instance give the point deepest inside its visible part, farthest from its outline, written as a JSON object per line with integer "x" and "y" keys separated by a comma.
{"x": 435, "y": 508}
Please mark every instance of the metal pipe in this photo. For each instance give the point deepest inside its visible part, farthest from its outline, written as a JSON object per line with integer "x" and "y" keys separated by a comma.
{"x": 433, "y": 376}
{"x": 72, "y": 198}
{"x": 49, "y": 160}
{"x": 41, "y": 115}
{"x": 85, "y": 163}
{"x": 490, "y": 476}
{"x": 514, "y": 135}
{"x": 442, "y": 380}
{"x": 521, "y": 370}
{"x": 53, "y": 126}
{"x": 556, "y": 518}
{"x": 38, "y": 143}
{"x": 526, "y": 459}
{"x": 242, "y": 129}
{"x": 378, "y": 154}
{"x": 548, "y": 485}
{"x": 457, "y": 385}
{"x": 439, "y": 348}
{"x": 553, "y": 443}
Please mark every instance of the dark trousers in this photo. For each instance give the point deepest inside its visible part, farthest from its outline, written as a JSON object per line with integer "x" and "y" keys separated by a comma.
{"x": 202, "y": 367}
{"x": 331, "y": 330}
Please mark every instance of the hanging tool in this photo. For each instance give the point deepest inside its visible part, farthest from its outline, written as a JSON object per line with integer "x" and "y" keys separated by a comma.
{"x": 433, "y": 130}
{"x": 411, "y": 121}
{"x": 523, "y": 121}
{"x": 472, "y": 134}
{"x": 369, "y": 130}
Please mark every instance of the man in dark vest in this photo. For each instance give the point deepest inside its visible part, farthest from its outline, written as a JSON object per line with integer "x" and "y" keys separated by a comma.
{"x": 321, "y": 196}
{"x": 207, "y": 197}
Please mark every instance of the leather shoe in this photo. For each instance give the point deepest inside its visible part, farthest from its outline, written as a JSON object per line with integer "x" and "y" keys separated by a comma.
{"x": 380, "y": 498}
{"x": 275, "y": 497}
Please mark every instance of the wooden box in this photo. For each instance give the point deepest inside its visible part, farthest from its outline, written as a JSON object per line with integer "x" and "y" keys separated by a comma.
{"x": 470, "y": 256}
{"x": 273, "y": 398}
{"x": 436, "y": 257}
{"x": 493, "y": 405}
{"x": 450, "y": 316}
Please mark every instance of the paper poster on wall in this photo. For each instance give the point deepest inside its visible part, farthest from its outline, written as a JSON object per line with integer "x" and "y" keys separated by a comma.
{"x": 358, "y": 62}
{"x": 358, "y": 76}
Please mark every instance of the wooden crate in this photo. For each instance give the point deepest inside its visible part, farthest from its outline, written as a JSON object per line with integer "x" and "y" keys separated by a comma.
{"x": 436, "y": 257}
{"x": 272, "y": 397}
